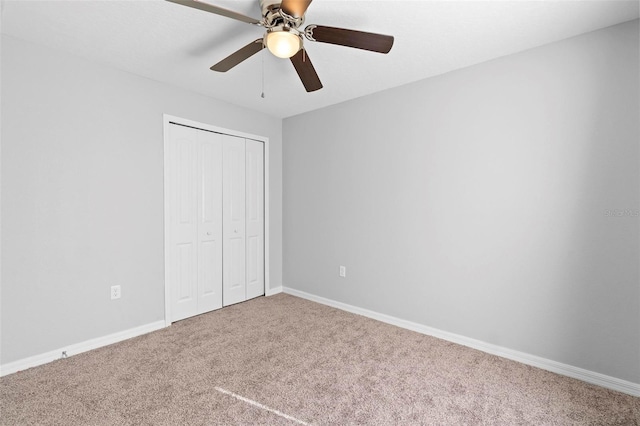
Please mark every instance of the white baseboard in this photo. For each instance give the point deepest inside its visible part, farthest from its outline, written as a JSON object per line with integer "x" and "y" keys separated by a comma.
{"x": 34, "y": 361}
{"x": 522, "y": 357}
{"x": 272, "y": 291}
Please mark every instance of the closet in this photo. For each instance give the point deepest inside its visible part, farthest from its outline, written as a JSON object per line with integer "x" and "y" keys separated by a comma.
{"x": 214, "y": 213}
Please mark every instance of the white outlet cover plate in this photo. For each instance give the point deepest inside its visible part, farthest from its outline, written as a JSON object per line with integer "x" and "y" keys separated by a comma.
{"x": 115, "y": 292}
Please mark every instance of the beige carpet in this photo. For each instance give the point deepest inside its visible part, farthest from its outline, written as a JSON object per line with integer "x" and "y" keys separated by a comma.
{"x": 284, "y": 360}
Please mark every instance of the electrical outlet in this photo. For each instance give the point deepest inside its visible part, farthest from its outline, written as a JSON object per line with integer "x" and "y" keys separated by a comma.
{"x": 343, "y": 271}
{"x": 115, "y": 292}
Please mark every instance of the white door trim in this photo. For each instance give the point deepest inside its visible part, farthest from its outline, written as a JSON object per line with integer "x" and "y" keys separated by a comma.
{"x": 167, "y": 120}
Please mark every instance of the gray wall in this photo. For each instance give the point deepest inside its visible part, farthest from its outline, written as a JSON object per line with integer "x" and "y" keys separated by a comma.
{"x": 82, "y": 189}
{"x": 475, "y": 202}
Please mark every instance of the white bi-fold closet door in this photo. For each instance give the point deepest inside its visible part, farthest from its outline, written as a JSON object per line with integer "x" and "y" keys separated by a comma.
{"x": 215, "y": 220}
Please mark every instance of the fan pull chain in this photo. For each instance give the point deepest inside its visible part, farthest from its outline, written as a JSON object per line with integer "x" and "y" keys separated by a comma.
{"x": 262, "y": 95}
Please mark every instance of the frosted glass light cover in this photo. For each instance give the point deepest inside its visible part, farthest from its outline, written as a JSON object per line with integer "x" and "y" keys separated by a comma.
{"x": 283, "y": 44}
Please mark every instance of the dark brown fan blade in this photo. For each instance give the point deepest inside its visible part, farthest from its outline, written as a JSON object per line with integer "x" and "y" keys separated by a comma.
{"x": 360, "y": 40}
{"x": 305, "y": 70}
{"x": 215, "y": 9}
{"x": 295, "y": 8}
{"x": 235, "y": 58}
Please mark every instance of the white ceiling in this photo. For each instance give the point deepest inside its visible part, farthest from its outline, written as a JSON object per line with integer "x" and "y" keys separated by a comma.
{"x": 177, "y": 45}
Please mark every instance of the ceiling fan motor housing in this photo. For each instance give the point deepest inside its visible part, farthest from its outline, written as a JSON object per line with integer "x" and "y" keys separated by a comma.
{"x": 274, "y": 16}
{"x": 267, "y": 5}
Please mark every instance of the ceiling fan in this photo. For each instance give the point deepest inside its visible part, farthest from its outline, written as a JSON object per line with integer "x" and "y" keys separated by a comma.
{"x": 282, "y": 20}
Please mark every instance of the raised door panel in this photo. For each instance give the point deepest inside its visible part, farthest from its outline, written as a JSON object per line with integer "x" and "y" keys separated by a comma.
{"x": 182, "y": 176}
{"x": 233, "y": 219}
{"x": 209, "y": 222}
{"x": 254, "y": 160}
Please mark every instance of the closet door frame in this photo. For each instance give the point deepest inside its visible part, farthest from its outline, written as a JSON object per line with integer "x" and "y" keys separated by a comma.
{"x": 168, "y": 120}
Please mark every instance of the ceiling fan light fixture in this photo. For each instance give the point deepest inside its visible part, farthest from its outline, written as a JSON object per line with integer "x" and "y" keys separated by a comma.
{"x": 282, "y": 21}
{"x": 283, "y": 43}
